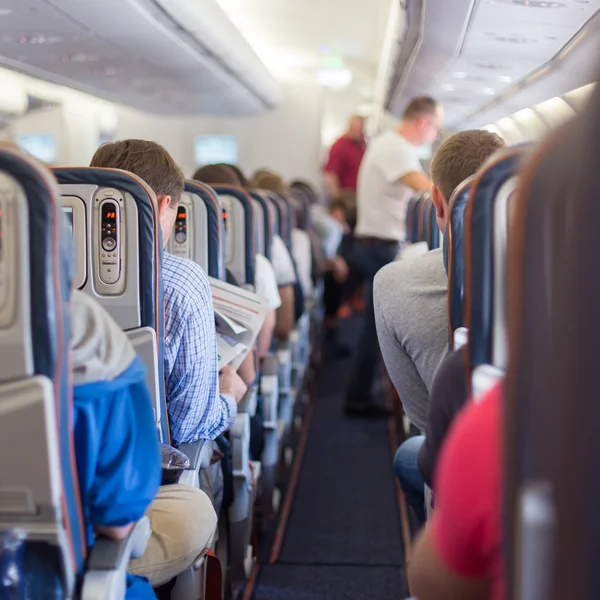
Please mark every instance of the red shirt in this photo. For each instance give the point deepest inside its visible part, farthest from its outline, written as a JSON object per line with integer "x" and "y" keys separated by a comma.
{"x": 466, "y": 523}
{"x": 345, "y": 157}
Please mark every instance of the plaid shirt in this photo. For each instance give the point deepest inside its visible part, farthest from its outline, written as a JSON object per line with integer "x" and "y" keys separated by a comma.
{"x": 196, "y": 408}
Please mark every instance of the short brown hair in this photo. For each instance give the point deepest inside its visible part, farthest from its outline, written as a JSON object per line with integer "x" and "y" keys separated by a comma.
{"x": 147, "y": 160}
{"x": 461, "y": 156}
{"x": 420, "y": 106}
{"x": 265, "y": 180}
{"x": 217, "y": 174}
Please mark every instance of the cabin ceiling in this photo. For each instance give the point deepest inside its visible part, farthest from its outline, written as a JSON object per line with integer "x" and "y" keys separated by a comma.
{"x": 470, "y": 53}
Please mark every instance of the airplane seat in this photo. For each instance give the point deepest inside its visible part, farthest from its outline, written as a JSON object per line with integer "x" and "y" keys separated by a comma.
{"x": 268, "y": 384}
{"x": 198, "y": 233}
{"x": 415, "y": 217}
{"x": 550, "y": 398}
{"x": 433, "y": 237}
{"x": 239, "y": 232}
{"x": 284, "y": 350}
{"x": 485, "y": 231}
{"x": 410, "y": 221}
{"x": 454, "y": 261}
{"x": 43, "y": 535}
{"x": 422, "y": 221}
{"x": 239, "y": 251}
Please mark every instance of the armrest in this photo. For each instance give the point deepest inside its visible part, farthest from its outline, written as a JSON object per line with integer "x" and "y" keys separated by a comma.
{"x": 106, "y": 569}
{"x": 269, "y": 366}
{"x": 112, "y": 555}
{"x": 199, "y": 453}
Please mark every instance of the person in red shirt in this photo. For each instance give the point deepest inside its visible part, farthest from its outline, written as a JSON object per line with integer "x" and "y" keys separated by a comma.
{"x": 345, "y": 156}
{"x": 459, "y": 554}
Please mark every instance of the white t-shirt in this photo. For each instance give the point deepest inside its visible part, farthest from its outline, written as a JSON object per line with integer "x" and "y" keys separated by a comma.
{"x": 302, "y": 252}
{"x": 382, "y": 198}
{"x": 282, "y": 262}
{"x": 265, "y": 281}
{"x": 329, "y": 230}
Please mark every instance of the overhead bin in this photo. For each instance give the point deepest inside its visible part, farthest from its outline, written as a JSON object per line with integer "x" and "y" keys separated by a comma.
{"x": 173, "y": 57}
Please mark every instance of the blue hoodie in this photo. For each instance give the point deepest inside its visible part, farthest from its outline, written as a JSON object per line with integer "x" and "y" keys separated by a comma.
{"x": 116, "y": 443}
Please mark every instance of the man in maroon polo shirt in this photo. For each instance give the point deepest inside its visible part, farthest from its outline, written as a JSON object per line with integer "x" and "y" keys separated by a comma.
{"x": 345, "y": 156}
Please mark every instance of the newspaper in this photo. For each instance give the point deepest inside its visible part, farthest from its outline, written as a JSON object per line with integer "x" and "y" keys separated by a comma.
{"x": 239, "y": 315}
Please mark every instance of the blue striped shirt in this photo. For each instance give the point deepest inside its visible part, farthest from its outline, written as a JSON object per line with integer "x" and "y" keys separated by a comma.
{"x": 196, "y": 408}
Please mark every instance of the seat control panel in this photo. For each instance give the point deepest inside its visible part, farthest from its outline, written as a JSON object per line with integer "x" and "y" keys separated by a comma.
{"x": 109, "y": 243}
{"x": 110, "y": 238}
{"x": 181, "y": 242}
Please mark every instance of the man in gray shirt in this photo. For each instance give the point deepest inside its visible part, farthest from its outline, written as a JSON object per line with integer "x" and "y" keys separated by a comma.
{"x": 410, "y": 299}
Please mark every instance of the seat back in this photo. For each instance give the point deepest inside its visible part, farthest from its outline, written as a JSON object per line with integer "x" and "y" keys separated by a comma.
{"x": 259, "y": 227}
{"x": 551, "y": 410}
{"x": 38, "y": 475}
{"x": 284, "y": 218}
{"x": 238, "y": 219}
{"x": 198, "y": 233}
{"x": 495, "y": 182}
{"x": 302, "y": 206}
{"x": 116, "y": 213}
{"x": 454, "y": 256}
{"x": 267, "y": 214}
{"x": 422, "y": 221}
{"x": 416, "y": 211}
{"x": 433, "y": 231}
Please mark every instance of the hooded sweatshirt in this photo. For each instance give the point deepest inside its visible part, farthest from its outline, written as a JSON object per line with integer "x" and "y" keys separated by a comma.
{"x": 116, "y": 445}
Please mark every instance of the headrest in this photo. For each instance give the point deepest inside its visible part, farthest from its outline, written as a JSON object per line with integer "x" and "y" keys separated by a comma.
{"x": 150, "y": 233}
{"x": 422, "y": 220}
{"x": 433, "y": 239}
{"x": 418, "y": 201}
{"x": 216, "y": 244}
{"x": 479, "y": 251}
{"x": 302, "y": 208}
{"x": 242, "y": 197}
{"x": 454, "y": 255}
{"x": 268, "y": 225}
{"x": 50, "y": 279}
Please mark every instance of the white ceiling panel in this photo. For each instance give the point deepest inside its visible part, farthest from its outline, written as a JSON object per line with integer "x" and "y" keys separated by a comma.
{"x": 500, "y": 44}
{"x": 294, "y": 38}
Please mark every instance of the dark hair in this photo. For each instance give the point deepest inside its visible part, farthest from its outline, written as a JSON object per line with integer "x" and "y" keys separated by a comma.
{"x": 217, "y": 174}
{"x": 420, "y": 106}
{"x": 239, "y": 173}
{"x": 461, "y": 156}
{"x": 147, "y": 160}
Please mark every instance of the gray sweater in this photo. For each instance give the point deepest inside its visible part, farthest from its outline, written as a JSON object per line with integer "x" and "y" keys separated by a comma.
{"x": 412, "y": 324}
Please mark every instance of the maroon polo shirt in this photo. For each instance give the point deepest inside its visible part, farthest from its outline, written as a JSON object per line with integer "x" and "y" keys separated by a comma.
{"x": 344, "y": 160}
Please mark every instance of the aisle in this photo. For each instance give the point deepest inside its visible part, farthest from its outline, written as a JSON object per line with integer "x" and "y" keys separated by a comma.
{"x": 342, "y": 539}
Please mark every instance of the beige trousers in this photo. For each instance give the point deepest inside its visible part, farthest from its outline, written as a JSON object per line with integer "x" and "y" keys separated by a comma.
{"x": 184, "y": 524}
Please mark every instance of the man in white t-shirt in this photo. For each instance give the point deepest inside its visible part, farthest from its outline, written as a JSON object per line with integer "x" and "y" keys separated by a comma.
{"x": 389, "y": 174}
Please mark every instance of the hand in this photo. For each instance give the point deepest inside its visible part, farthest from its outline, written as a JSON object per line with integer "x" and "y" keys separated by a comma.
{"x": 340, "y": 269}
{"x": 231, "y": 383}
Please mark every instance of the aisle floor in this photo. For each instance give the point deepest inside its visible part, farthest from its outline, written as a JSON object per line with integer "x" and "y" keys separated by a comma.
{"x": 343, "y": 537}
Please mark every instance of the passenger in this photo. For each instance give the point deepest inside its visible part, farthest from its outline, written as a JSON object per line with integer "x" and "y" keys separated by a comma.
{"x": 112, "y": 407}
{"x": 411, "y": 306}
{"x": 283, "y": 263}
{"x": 345, "y": 156}
{"x": 389, "y": 174}
{"x": 459, "y": 553}
{"x": 265, "y": 279}
{"x": 201, "y": 403}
